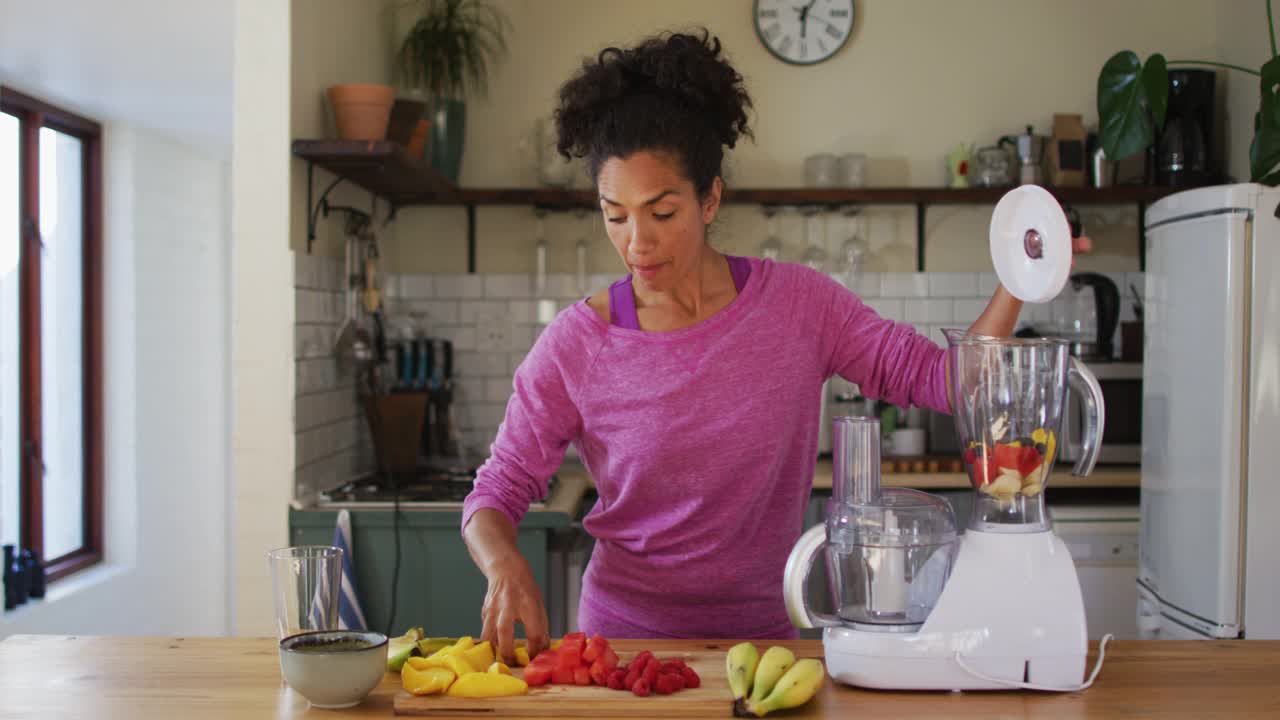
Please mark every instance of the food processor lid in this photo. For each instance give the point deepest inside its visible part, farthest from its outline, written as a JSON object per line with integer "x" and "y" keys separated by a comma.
{"x": 1031, "y": 244}
{"x": 900, "y": 517}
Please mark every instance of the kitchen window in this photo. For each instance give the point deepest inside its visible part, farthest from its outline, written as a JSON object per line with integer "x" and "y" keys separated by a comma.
{"x": 50, "y": 333}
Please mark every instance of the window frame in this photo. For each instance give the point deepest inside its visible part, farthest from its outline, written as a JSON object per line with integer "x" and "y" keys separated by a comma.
{"x": 34, "y": 114}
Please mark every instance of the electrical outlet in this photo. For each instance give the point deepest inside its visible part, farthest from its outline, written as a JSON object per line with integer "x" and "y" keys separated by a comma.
{"x": 493, "y": 332}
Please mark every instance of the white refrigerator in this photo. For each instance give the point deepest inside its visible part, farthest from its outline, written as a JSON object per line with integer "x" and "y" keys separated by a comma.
{"x": 1209, "y": 562}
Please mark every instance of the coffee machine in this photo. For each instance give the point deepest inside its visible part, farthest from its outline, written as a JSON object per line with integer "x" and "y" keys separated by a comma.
{"x": 1184, "y": 152}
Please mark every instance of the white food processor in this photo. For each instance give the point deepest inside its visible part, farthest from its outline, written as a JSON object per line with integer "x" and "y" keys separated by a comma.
{"x": 918, "y": 605}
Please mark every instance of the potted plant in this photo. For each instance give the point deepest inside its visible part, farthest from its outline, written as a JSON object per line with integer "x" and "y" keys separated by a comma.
{"x": 1133, "y": 97}
{"x": 447, "y": 54}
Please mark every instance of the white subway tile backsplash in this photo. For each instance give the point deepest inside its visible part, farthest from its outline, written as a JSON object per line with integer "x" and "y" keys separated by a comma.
{"x": 966, "y": 311}
{"x": 887, "y": 308}
{"x": 415, "y": 287}
{"x": 480, "y": 364}
{"x": 463, "y": 338}
{"x": 485, "y": 415}
{"x": 564, "y": 286}
{"x": 953, "y": 285}
{"x": 317, "y": 375}
{"x": 313, "y": 341}
{"x": 601, "y": 281}
{"x": 521, "y": 337}
{"x": 470, "y": 390}
{"x": 866, "y": 285}
{"x": 518, "y": 285}
{"x": 478, "y": 441}
{"x": 987, "y": 284}
{"x": 324, "y": 408}
{"x": 523, "y": 311}
{"x": 479, "y": 310}
{"x": 459, "y": 287}
{"x": 927, "y": 311}
{"x": 497, "y": 390}
{"x": 430, "y": 314}
{"x": 904, "y": 285}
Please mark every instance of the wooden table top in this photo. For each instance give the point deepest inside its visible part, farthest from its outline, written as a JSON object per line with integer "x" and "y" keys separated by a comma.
{"x": 45, "y": 676}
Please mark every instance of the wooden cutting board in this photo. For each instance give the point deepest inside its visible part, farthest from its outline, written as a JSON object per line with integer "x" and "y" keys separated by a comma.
{"x": 710, "y": 699}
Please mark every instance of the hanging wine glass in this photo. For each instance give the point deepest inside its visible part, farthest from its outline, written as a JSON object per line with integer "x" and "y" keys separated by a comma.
{"x": 540, "y": 256}
{"x": 771, "y": 248}
{"x": 853, "y": 250}
{"x": 815, "y": 240}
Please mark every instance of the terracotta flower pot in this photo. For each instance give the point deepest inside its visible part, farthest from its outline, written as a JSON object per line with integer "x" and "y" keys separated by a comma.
{"x": 362, "y": 111}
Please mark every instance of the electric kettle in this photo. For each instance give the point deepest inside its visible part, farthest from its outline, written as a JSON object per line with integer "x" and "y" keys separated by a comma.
{"x": 1087, "y": 315}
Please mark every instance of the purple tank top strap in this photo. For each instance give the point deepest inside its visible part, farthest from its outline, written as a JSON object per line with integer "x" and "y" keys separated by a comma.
{"x": 622, "y": 300}
{"x": 740, "y": 269}
{"x": 622, "y": 305}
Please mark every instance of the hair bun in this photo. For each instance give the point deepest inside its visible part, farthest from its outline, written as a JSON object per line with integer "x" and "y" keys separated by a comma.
{"x": 672, "y": 91}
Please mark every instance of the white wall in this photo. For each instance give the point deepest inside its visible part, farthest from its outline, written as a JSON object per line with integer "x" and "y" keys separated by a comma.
{"x": 166, "y": 314}
{"x": 166, "y": 401}
{"x": 1242, "y": 40}
{"x": 262, "y": 307}
{"x": 918, "y": 77}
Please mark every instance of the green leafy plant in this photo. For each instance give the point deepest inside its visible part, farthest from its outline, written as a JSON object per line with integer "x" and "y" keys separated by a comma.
{"x": 1133, "y": 98}
{"x": 450, "y": 48}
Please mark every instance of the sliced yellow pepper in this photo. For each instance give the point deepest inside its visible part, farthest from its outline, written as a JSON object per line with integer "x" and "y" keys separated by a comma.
{"x": 480, "y": 655}
{"x": 499, "y": 668}
{"x": 522, "y": 655}
{"x": 482, "y": 685}
{"x": 428, "y": 681}
{"x": 457, "y": 663}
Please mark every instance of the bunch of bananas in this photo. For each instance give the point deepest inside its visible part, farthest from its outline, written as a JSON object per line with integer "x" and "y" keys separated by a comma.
{"x": 774, "y": 681}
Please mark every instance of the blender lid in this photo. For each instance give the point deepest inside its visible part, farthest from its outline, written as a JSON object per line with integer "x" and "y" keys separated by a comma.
{"x": 900, "y": 517}
{"x": 1031, "y": 244}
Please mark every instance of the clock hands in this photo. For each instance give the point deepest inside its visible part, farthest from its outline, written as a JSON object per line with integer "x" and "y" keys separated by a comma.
{"x": 804, "y": 16}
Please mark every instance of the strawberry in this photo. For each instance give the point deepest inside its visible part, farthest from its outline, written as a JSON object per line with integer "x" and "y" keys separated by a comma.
{"x": 599, "y": 673}
{"x": 1028, "y": 460}
{"x": 582, "y": 675}
{"x": 609, "y": 657}
{"x": 562, "y": 676}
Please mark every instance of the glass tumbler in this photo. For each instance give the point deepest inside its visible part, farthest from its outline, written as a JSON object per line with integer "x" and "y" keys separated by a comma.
{"x": 305, "y": 582}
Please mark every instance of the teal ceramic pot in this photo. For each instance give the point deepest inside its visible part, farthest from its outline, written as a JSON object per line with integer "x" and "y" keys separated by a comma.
{"x": 448, "y": 129}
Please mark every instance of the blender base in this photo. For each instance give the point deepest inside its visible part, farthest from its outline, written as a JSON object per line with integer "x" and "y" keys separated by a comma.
{"x": 1012, "y": 610}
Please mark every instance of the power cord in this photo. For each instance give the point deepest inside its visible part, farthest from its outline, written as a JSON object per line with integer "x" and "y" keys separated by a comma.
{"x": 1102, "y": 652}
{"x": 395, "y": 532}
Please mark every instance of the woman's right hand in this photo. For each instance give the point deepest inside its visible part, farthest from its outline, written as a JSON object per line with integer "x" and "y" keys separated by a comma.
{"x": 513, "y": 596}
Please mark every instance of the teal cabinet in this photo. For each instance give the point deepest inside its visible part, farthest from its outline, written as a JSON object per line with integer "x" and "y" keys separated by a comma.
{"x": 438, "y": 586}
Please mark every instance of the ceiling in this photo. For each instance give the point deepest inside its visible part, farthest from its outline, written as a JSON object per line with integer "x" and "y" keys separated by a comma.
{"x": 163, "y": 65}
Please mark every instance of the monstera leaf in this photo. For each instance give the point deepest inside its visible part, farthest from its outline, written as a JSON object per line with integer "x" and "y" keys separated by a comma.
{"x": 1132, "y": 100}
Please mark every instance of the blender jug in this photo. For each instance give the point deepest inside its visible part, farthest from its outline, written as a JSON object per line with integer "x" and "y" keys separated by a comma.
{"x": 888, "y": 551}
{"x": 1007, "y": 398}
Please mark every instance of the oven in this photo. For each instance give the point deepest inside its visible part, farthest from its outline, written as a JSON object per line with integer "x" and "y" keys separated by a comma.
{"x": 1121, "y": 385}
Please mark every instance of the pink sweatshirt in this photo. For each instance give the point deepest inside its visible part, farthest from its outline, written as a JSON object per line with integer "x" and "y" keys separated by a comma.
{"x": 701, "y": 442}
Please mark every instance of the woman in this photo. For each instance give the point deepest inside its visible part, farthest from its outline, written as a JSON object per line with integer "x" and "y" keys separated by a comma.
{"x": 690, "y": 388}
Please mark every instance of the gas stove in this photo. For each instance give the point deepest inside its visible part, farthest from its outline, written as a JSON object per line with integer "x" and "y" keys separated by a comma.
{"x": 434, "y": 487}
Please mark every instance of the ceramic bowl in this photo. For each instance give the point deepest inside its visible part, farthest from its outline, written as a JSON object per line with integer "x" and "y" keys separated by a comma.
{"x": 334, "y": 668}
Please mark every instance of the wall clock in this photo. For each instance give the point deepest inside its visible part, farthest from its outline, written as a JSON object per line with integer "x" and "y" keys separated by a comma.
{"x": 803, "y": 32}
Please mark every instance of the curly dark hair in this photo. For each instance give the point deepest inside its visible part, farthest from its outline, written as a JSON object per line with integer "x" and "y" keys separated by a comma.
{"x": 672, "y": 93}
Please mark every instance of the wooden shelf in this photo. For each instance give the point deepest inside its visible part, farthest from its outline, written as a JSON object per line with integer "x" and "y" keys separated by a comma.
{"x": 382, "y": 167}
{"x": 385, "y": 170}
